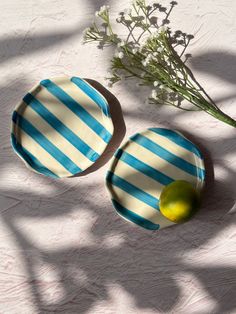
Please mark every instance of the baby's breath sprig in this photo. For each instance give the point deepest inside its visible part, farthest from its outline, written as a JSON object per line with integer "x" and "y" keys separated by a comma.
{"x": 154, "y": 55}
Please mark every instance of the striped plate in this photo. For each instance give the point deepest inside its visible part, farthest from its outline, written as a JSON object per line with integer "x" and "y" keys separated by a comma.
{"x": 143, "y": 166}
{"x": 61, "y": 127}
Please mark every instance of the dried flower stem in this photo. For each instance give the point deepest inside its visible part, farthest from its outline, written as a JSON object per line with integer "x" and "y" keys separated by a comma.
{"x": 155, "y": 60}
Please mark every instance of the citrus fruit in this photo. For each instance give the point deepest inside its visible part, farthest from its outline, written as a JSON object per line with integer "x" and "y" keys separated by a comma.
{"x": 179, "y": 201}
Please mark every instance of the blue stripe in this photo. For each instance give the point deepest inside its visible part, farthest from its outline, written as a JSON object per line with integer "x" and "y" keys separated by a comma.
{"x": 178, "y": 139}
{"x": 30, "y": 159}
{"x": 134, "y": 217}
{"x": 143, "y": 167}
{"x": 26, "y": 126}
{"x": 132, "y": 190}
{"x": 60, "y": 127}
{"x": 168, "y": 156}
{"x": 77, "y": 109}
{"x": 92, "y": 93}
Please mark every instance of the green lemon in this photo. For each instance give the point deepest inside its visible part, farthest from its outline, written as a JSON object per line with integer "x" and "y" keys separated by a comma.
{"x": 179, "y": 201}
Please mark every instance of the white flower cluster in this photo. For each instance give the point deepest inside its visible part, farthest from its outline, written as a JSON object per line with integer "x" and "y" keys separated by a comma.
{"x": 159, "y": 49}
{"x": 162, "y": 29}
{"x": 121, "y": 44}
{"x": 148, "y": 59}
{"x": 119, "y": 53}
{"x": 102, "y": 10}
{"x": 125, "y": 16}
{"x": 157, "y": 32}
{"x": 154, "y": 94}
{"x": 160, "y": 90}
{"x": 127, "y": 13}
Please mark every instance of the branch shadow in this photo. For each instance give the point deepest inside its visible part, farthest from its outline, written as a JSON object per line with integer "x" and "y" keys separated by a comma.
{"x": 12, "y": 47}
{"x": 148, "y": 274}
{"x": 154, "y": 259}
{"x": 15, "y": 46}
{"x": 216, "y": 63}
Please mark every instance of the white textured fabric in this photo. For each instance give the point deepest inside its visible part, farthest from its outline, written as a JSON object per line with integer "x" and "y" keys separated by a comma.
{"x": 63, "y": 249}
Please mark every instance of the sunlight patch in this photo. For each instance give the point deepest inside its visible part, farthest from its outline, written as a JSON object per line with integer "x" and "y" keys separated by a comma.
{"x": 59, "y": 232}
{"x": 48, "y": 283}
{"x": 113, "y": 240}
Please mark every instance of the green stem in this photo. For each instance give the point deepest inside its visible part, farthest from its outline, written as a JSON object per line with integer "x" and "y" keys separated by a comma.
{"x": 191, "y": 90}
{"x": 217, "y": 113}
{"x": 130, "y": 71}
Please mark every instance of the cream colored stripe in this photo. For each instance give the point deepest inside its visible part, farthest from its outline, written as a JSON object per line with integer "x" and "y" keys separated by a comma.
{"x": 138, "y": 207}
{"x": 106, "y": 121}
{"x": 174, "y": 148}
{"x": 74, "y": 123}
{"x": 56, "y": 138}
{"x": 42, "y": 155}
{"x": 84, "y": 100}
{"x": 138, "y": 179}
{"x": 160, "y": 164}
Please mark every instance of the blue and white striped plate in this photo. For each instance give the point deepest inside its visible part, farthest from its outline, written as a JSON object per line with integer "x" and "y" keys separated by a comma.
{"x": 143, "y": 166}
{"x": 61, "y": 127}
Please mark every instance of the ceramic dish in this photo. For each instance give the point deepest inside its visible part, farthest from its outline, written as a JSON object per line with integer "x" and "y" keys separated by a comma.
{"x": 61, "y": 127}
{"x": 143, "y": 166}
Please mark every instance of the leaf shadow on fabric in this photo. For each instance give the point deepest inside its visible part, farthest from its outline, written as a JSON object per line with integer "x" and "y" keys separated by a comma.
{"x": 147, "y": 265}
